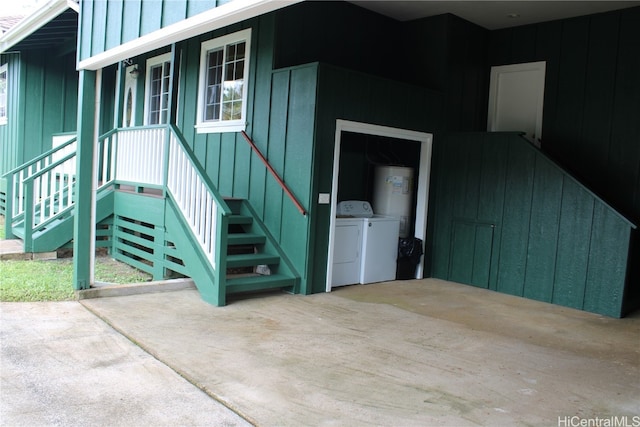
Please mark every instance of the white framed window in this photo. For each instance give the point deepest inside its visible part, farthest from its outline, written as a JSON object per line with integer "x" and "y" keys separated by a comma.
{"x": 156, "y": 89}
{"x": 222, "y": 89}
{"x": 3, "y": 94}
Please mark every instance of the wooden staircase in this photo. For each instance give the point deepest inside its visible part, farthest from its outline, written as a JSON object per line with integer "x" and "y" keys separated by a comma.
{"x": 58, "y": 231}
{"x": 250, "y": 254}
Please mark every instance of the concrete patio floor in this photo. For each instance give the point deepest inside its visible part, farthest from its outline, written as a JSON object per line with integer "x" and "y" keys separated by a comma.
{"x": 405, "y": 353}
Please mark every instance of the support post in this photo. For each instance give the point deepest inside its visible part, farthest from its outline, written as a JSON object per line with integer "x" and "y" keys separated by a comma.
{"x": 83, "y": 228}
{"x": 10, "y": 191}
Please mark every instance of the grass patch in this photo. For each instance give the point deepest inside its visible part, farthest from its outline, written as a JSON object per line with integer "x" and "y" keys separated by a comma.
{"x": 36, "y": 280}
{"x": 51, "y": 280}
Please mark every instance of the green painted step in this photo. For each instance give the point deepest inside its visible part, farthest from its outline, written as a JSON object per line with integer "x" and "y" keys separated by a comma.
{"x": 246, "y": 260}
{"x": 240, "y": 219}
{"x": 18, "y": 231}
{"x": 245, "y": 239}
{"x": 256, "y": 283}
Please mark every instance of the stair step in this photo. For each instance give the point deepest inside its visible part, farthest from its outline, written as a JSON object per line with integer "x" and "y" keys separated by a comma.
{"x": 246, "y": 239}
{"x": 240, "y": 219}
{"x": 246, "y": 260}
{"x": 18, "y": 231}
{"x": 256, "y": 283}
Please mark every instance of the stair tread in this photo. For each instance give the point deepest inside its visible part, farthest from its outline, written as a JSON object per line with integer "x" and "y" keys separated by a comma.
{"x": 240, "y": 219}
{"x": 244, "y": 260}
{"x": 245, "y": 238}
{"x": 258, "y": 282}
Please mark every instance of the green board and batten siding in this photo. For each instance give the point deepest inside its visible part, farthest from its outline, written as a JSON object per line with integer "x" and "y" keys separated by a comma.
{"x": 280, "y": 122}
{"x": 106, "y": 25}
{"x": 508, "y": 219}
{"x": 9, "y": 132}
{"x": 42, "y": 102}
{"x": 592, "y": 96}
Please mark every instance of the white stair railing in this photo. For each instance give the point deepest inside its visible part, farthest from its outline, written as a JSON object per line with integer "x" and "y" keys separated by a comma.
{"x": 48, "y": 173}
{"x": 194, "y": 199}
{"x": 139, "y": 155}
{"x": 136, "y": 156}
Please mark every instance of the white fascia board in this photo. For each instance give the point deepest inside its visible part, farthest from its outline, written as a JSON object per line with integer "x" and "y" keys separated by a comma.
{"x": 33, "y": 22}
{"x": 219, "y": 17}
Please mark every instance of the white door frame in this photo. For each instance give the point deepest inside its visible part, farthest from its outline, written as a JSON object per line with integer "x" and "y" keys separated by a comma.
{"x": 422, "y": 202}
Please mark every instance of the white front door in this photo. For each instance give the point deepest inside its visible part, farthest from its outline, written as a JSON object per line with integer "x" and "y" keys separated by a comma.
{"x": 516, "y": 99}
{"x": 129, "y": 110}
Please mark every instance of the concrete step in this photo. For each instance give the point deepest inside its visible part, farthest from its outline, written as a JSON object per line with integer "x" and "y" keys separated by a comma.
{"x": 13, "y": 250}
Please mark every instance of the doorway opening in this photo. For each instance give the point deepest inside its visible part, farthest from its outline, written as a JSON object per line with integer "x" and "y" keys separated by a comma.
{"x": 516, "y": 99}
{"x": 359, "y": 149}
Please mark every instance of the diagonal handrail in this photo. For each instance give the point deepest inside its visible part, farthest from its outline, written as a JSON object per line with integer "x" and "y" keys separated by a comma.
{"x": 195, "y": 195}
{"x": 273, "y": 172}
{"x": 40, "y": 186}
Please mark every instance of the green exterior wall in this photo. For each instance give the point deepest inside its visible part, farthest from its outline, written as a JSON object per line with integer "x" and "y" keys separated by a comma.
{"x": 592, "y": 97}
{"x": 108, "y": 24}
{"x": 358, "y": 97}
{"x": 522, "y": 226}
{"x": 509, "y": 219}
{"x": 443, "y": 53}
{"x": 280, "y": 121}
{"x": 291, "y": 118}
{"x": 42, "y": 102}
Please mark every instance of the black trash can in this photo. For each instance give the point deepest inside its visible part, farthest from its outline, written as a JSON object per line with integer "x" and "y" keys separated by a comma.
{"x": 409, "y": 253}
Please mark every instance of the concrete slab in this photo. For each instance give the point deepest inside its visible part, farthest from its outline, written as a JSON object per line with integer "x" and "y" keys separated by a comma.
{"x": 409, "y": 353}
{"x": 63, "y": 366}
{"x": 13, "y": 249}
{"x": 111, "y": 290}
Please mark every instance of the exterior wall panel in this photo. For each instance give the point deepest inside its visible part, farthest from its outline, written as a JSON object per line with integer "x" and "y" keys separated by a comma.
{"x": 10, "y": 132}
{"x": 108, "y": 24}
{"x": 131, "y": 17}
{"x": 555, "y": 241}
{"x": 592, "y": 97}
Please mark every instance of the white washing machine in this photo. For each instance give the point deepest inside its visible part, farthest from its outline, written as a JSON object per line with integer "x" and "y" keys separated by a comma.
{"x": 379, "y": 249}
{"x": 365, "y": 245}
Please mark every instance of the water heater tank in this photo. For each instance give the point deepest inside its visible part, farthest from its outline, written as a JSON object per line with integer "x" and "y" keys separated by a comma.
{"x": 393, "y": 194}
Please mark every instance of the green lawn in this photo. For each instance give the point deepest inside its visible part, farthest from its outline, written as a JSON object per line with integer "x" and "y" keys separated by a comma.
{"x": 51, "y": 280}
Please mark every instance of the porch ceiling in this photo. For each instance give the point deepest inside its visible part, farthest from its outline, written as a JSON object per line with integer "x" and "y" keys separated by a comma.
{"x": 493, "y": 15}
{"x": 60, "y": 30}
{"x": 53, "y": 24}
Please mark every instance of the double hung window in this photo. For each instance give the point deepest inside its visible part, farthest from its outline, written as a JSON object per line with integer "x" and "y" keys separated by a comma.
{"x": 222, "y": 92}
{"x": 157, "y": 90}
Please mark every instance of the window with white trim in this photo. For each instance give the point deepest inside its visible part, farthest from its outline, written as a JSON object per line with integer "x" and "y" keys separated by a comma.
{"x": 3, "y": 94}
{"x": 156, "y": 104}
{"x": 222, "y": 90}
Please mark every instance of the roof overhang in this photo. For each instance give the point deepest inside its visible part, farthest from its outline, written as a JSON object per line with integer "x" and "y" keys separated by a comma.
{"x": 219, "y": 17}
{"x": 36, "y": 20}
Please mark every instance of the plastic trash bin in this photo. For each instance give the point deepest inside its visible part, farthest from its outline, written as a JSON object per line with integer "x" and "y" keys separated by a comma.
{"x": 409, "y": 253}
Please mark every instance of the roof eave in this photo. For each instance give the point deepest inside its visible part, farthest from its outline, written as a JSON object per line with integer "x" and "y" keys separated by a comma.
{"x": 33, "y": 22}
{"x": 219, "y": 17}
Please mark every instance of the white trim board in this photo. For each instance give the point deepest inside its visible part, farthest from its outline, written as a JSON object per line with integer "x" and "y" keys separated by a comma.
{"x": 422, "y": 202}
